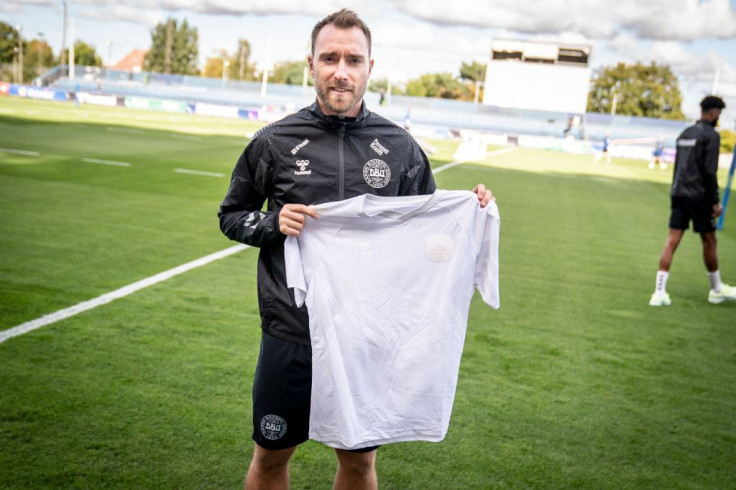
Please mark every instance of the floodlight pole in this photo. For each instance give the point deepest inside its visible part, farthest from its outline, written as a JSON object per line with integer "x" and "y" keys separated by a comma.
{"x": 63, "y": 38}
{"x": 264, "y": 83}
{"x": 40, "y": 40}
{"x": 71, "y": 52}
{"x": 20, "y": 54}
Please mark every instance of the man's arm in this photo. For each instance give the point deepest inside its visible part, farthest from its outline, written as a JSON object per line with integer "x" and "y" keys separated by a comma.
{"x": 710, "y": 168}
{"x": 241, "y": 218}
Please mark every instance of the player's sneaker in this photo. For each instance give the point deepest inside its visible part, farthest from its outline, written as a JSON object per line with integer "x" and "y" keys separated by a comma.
{"x": 660, "y": 299}
{"x": 727, "y": 293}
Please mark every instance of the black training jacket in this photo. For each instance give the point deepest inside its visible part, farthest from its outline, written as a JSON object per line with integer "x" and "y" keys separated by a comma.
{"x": 696, "y": 163}
{"x": 310, "y": 158}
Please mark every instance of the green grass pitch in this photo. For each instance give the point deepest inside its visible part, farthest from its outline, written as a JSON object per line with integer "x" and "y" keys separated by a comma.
{"x": 574, "y": 383}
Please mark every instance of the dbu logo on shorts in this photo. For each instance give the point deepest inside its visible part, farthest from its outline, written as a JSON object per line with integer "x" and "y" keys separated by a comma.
{"x": 273, "y": 427}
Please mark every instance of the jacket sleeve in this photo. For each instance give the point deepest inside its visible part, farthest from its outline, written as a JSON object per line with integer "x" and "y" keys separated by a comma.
{"x": 711, "y": 152}
{"x": 241, "y": 215}
{"x": 420, "y": 179}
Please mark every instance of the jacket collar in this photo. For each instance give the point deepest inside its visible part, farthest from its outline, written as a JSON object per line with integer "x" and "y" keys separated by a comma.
{"x": 335, "y": 121}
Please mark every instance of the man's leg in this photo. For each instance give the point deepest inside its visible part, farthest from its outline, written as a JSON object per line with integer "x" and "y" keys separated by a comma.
{"x": 356, "y": 471}
{"x": 660, "y": 296}
{"x": 670, "y": 246}
{"x": 710, "y": 256}
{"x": 269, "y": 470}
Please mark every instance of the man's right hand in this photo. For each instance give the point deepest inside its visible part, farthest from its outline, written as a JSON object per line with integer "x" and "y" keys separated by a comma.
{"x": 292, "y": 218}
{"x": 717, "y": 210}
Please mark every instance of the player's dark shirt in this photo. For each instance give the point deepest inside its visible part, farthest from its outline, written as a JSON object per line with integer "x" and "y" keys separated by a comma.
{"x": 696, "y": 163}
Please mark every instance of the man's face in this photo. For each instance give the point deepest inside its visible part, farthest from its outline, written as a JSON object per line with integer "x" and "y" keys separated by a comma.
{"x": 340, "y": 67}
{"x": 712, "y": 115}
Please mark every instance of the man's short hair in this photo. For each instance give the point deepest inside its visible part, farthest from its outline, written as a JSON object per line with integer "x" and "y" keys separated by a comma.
{"x": 712, "y": 102}
{"x": 342, "y": 19}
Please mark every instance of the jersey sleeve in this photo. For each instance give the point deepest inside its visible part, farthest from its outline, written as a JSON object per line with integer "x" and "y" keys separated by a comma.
{"x": 295, "y": 270}
{"x": 486, "y": 266}
{"x": 241, "y": 217}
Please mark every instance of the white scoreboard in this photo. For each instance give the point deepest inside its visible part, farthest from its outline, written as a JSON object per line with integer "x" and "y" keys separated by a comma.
{"x": 538, "y": 76}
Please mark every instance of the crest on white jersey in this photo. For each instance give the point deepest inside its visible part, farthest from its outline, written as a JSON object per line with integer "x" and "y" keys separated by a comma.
{"x": 439, "y": 247}
{"x": 377, "y": 173}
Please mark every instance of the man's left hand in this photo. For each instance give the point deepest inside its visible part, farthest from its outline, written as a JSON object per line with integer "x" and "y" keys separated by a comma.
{"x": 484, "y": 195}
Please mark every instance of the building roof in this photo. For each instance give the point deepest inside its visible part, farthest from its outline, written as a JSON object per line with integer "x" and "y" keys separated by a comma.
{"x": 133, "y": 61}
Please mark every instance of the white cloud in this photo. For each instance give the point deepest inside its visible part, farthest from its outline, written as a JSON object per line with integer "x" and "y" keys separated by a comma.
{"x": 124, "y": 13}
{"x": 13, "y": 7}
{"x": 655, "y": 19}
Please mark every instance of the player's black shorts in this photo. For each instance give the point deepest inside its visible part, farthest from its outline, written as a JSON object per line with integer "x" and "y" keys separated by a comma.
{"x": 282, "y": 390}
{"x": 699, "y": 211}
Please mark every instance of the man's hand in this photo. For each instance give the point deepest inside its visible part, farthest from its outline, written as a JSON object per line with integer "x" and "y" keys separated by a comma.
{"x": 717, "y": 210}
{"x": 484, "y": 195}
{"x": 292, "y": 218}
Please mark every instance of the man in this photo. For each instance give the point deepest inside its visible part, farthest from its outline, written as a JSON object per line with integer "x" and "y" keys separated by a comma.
{"x": 333, "y": 150}
{"x": 694, "y": 197}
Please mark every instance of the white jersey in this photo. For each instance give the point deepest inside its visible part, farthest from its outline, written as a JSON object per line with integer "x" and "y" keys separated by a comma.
{"x": 388, "y": 283}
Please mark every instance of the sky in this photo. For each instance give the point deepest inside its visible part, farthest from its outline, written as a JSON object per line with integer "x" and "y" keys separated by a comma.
{"x": 696, "y": 38}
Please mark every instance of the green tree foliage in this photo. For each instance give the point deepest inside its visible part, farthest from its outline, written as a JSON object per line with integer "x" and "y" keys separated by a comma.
{"x": 39, "y": 56}
{"x": 174, "y": 48}
{"x": 378, "y": 84}
{"x": 476, "y": 73}
{"x": 728, "y": 140}
{"x": 289, "y": 72}
{"x": 213, "y": 65}
{"x": 473, "y": 71}
{"x": 441, "y": 85}
{"x": 240, "y": 66}
{"x": 9, "y": 37}
{"x": 84, "y": 55}
{"x": 641, "y": 90}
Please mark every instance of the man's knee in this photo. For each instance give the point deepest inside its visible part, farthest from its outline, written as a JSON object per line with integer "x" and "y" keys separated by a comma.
{"x": 271, "y": 460}
{"x": 709, "y": 240}
{"x": 357, "y": 463}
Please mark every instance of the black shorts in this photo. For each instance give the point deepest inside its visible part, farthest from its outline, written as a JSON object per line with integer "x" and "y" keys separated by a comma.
{"x": 700, "y": 212}
{"x": 282, "y": 391}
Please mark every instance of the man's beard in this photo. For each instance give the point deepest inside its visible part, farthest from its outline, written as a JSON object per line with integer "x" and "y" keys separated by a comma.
{"x": 714, "y": 122}
{"x": 349, "y": 99}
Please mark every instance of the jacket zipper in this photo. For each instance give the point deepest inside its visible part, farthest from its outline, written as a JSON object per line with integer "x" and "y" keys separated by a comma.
{"x": 341, "y": 164}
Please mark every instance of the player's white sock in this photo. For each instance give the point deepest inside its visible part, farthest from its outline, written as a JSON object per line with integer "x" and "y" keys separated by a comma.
{"x": 661, "y": 286}
{"x": 715, "y": 281}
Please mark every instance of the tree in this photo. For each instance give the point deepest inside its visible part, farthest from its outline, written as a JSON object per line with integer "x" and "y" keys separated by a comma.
{"x": 473, "y": 71}
{"x": 174, "y": 48}
{"x": 84, "y": 54}
{"x": 240, "y": 66}
{"x": 40, "y": 56}
{"x": 288, "y": 72}
{"x": 213, "y": 66}
{"x": 378, "y": 84}
{"x": 476, "y": 73}
{"x": 10, "y": 41}
{"x": 442, "y": 85}
{"x": 641, "y": 90}
{"x": 9, "y": 37}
